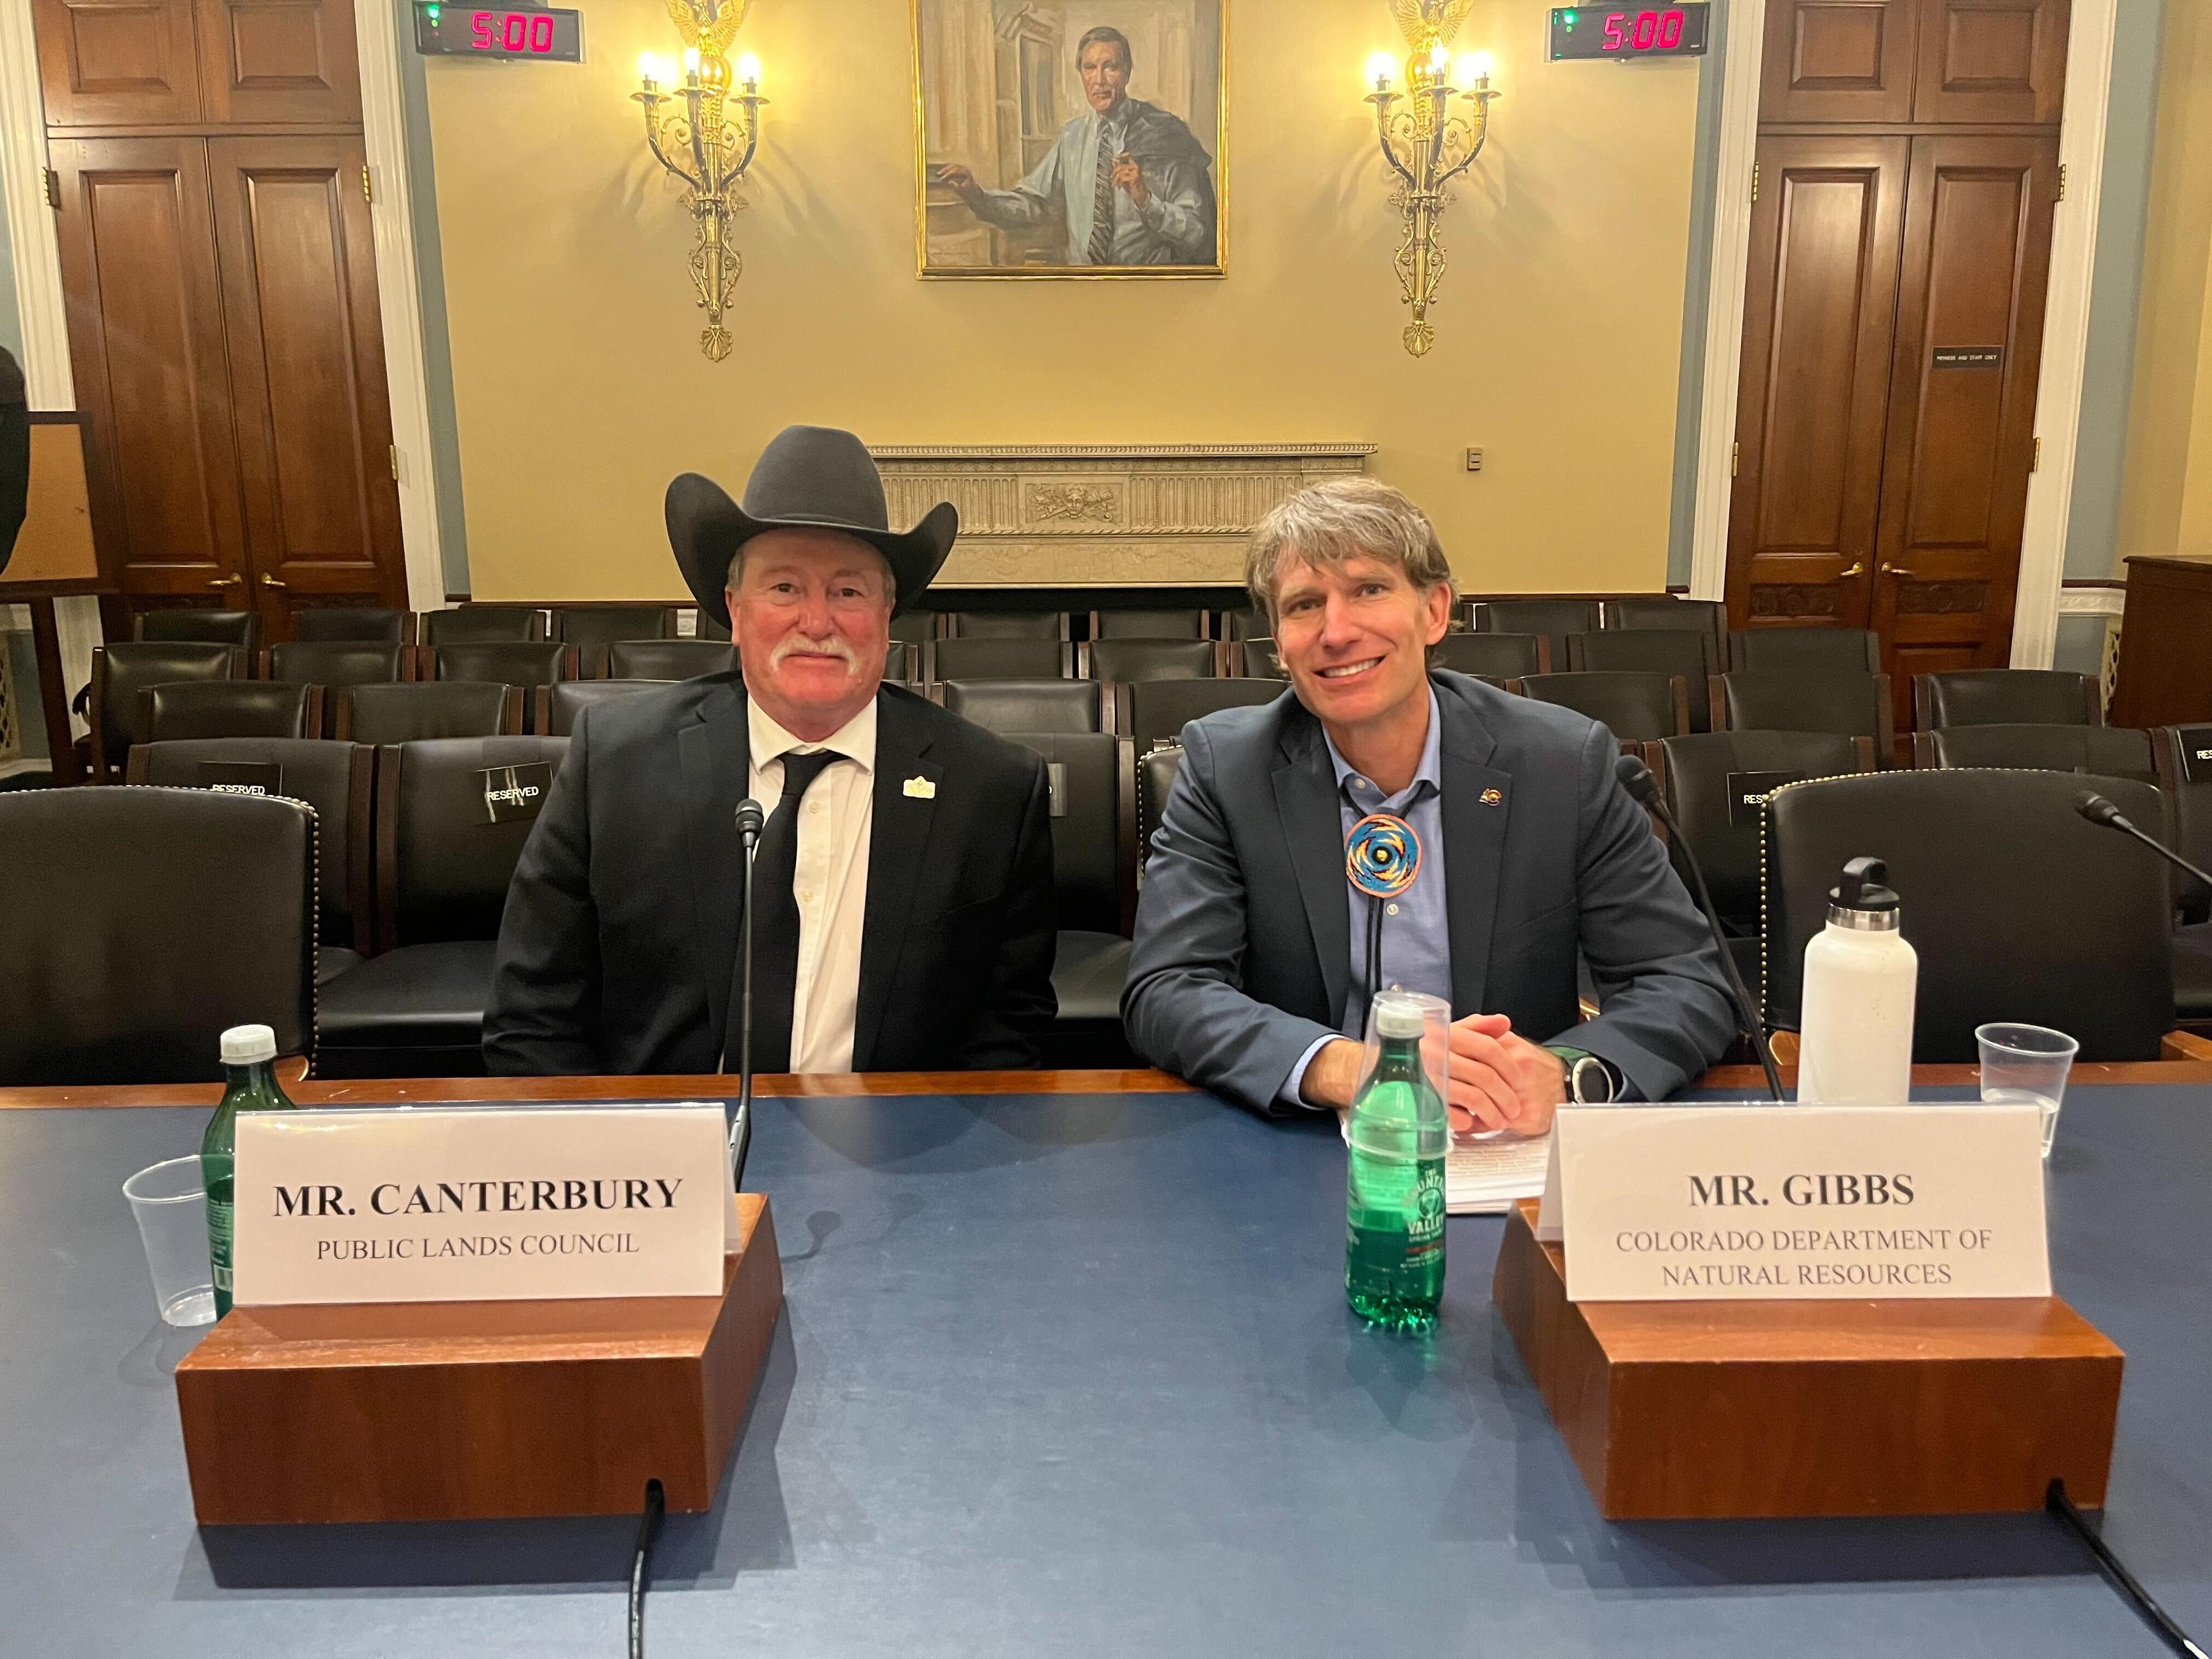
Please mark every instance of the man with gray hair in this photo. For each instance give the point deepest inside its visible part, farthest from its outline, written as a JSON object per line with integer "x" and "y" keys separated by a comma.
{"x": 1253, "y": 970}
{"x": 1128, "y": 182}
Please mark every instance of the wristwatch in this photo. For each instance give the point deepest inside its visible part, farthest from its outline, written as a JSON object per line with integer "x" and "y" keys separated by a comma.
{"x": 1590, "y": 1081}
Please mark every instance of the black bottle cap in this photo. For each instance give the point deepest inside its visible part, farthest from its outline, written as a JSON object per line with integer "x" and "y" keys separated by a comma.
{"x": 1864, "y": 887}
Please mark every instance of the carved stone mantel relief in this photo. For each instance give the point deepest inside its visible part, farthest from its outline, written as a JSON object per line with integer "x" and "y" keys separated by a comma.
{"x": 1105, "y": 515}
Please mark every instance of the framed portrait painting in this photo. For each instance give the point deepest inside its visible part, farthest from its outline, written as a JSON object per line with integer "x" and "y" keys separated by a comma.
{"x": 1072, "y": 138}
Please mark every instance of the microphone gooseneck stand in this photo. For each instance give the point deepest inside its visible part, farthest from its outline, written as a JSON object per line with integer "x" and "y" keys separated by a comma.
{"x": 2106, "y": 815}
{"x": 2130, "y": 1587}
{"x": 1636, "y": 777}
{"x": 750, "y": 821}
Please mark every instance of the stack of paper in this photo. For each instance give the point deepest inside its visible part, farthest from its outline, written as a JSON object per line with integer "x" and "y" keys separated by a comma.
{"x": 1482, "y": 1177}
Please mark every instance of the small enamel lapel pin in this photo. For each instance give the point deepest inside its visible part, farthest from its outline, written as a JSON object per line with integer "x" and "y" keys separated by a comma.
{"x": 1492, "y": 798}
{"x": 921, "y": 789}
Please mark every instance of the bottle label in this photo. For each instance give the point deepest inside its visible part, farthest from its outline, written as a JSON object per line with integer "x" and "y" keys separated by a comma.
{"x": 219, "y": 1237}
{"x": 1424, "y": 1227}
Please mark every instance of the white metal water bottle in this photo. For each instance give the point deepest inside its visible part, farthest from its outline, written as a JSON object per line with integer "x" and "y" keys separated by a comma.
{"x": 1856, "y": 1049}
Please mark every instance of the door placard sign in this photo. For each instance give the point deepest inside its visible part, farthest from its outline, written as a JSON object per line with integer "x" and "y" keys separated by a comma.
{"x": 2196, "y": 753}
{"x": 242, "y": 777}
{"x": 1747, "y": 793}
{"x": 1970, "y": 356}
{"x": 515, "y": 793}
{"x": 1798, "y": 1203}
{"x": 480, "y": 1204}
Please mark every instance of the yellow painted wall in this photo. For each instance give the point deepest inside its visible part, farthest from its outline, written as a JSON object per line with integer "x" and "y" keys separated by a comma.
{"x": 2168, "y": 504}
{"x": 580, "y": 389}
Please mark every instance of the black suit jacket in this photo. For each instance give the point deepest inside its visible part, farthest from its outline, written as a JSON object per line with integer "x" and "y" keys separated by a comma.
{"x": 1243, "y": 956}
{"x": 620, "y": 936}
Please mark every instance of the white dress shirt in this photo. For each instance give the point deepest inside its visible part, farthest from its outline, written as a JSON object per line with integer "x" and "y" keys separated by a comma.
{"x": 836, "y": 821}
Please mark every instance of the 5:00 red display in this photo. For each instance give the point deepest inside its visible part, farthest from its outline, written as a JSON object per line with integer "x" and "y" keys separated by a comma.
{"x": 1642, "y": 31}
{"x": 511, "y": 30}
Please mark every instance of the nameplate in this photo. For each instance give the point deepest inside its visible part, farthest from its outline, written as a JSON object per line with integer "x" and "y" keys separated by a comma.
{"x": 476, "y": 1204}
{"x": 242, "y": 777}
{"x": 1798, "y": 1203}
{"x": 1969, "y": 357}
{"x": 1747, "y": 793}
{"x": 514, "y": 792}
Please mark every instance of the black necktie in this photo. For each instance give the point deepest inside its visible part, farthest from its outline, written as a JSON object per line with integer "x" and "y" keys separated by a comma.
{"x": 776, "y": 924}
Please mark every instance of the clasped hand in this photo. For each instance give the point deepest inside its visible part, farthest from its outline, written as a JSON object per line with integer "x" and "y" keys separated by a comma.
{"x": 1498, "y": 1079}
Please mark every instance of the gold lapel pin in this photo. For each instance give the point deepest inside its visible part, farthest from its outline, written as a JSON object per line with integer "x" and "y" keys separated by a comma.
{"x": 921, "y": 789}
{"x": 1492, "y": 798}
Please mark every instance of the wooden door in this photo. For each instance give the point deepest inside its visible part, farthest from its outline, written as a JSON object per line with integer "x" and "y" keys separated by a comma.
{"x": 306, "y": 360}
{"x": 1991, "y": 61}
{"x": 279, "y": 60}
{"x": 1818, "y": 326}
{"x": 146, "y": 343}
{"x": 116, "y": 63}
{"x": 1962, "y": 403}
{"x": 1838, "y": 60}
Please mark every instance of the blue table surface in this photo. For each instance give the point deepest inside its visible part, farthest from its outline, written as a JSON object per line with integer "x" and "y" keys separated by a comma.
{"x": 1073, "y": 1375}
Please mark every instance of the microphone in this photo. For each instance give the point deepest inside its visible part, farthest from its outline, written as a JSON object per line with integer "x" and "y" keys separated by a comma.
{"x": 2102, "y": 813}
{"x": 749, "y": 820}
{"x": 1636, "y": 778}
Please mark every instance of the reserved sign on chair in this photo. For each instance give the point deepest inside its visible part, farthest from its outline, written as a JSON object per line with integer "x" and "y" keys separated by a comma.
{"x": 479, "y": 1204}
{"x": 1798, "y": 1203}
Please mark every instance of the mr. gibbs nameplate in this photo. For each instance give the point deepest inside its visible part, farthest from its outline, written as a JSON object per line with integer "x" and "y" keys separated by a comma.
{"x": 1801, "y": 1203}
{"x": 461, "y": 1204}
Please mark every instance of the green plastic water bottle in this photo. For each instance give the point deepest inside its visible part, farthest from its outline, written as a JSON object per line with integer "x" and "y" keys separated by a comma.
{"x": 1393, "y": 1211}
{"x": 249, "y": 1061}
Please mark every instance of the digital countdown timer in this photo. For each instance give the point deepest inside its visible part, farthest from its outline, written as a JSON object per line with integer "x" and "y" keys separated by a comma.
{"x": 541, "y": 34}
{"x": 1622, "y": 33}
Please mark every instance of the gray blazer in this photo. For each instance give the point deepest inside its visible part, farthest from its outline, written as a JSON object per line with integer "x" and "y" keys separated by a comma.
{"x": 1243, "y": 956}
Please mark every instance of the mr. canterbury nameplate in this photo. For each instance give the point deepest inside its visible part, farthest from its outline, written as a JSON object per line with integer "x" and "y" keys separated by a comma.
{"x": 1791, "y": 1203}
{"x": 462, "y": 1204}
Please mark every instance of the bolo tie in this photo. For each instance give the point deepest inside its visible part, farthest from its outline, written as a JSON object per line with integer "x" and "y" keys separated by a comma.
{"x": 1381, "y": 857}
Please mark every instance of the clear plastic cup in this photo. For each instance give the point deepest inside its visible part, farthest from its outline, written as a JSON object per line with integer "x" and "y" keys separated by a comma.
{"x": 170, "y": 1205}
{"x": 2027, "y": 1064}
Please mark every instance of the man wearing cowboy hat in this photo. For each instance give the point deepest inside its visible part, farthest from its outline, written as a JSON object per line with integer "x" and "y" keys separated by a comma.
{"x": 904, "y": 883}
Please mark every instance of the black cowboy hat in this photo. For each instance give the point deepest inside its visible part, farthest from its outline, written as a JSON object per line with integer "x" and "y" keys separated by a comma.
{"x": 809, "y": 477}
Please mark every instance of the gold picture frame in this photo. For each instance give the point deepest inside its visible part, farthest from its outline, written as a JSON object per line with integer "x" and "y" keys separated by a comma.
{"x": 1016, "y": 101}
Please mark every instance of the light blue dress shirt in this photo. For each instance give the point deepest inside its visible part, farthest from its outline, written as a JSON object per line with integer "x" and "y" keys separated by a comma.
{"x": 1417, "y": 925}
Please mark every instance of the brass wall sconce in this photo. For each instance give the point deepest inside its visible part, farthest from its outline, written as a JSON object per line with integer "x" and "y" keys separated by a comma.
{"x": 1428, "y": 145}
{"x": 706, "y": 140}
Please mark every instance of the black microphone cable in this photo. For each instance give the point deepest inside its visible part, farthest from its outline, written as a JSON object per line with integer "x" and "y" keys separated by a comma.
{"x": 2057, "y": 1502}
{"x": 640, "y": 1566}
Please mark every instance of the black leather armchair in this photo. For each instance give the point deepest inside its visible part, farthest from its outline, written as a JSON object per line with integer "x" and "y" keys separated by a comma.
{"x": 1686, "y": 654}
{"x": 1554, "y": 618}
{"x": 669, "y": 659}
{"x": 1154, "y": 712}
{"x": 416, "y": 710}
{"x": 1994, "y": 696}
{"x": 143, "y": 923}
{"x": 1012, "y": 706}
{"x": 1635, "y": 708}
{"x": 120, "y": 672}
{"x": 332, "y": 664}
{"x": 228, "y": 708}
{"x": 1497, "y": 658}
{"x": 1805, "y": 651}
{"x": 1094, "y": 864}
{"x": 1856, "y": 705}
{"x": 1148, "y": 624}
{"x": 359, "y": 625}
{"x": 991, "y": 657}
{"x": 2106, "y": 750}
{"x": 560, "y": 704}
{"x": 185, "y": 622}
{"x": 469, "y": 625}
{"x": 526, "y": 663}
{"x": 2019, "y": 908}
{"x": 1124, "y": 660}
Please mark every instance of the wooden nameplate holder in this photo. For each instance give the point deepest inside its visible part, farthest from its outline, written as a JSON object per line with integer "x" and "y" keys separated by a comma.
{"x": 455, "y": 1411}
{"x": 1709, "y": 1410}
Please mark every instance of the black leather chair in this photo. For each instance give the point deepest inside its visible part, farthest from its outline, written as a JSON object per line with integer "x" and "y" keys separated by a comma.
{"x": 469, "y": 625}
{"x": 1255, "y": 659}
{"x": 1148, "y": 624}
{"x": 1635, "y": 708}
{"x": 914, "y": 628}
{"x": 1005, "y": 625}
{"x": 669, "y": 659}
{"x": 2181, "y": 755}
{"x": 442, "y": 868}
{"x": 2006, "y": 696}
{"x": 1156, "y": 776}
{"x": 358, "y": 623}
{"x": 526, "y": 663}
{"x": 1008, "y": 707}
{"x": 903, "y": 662}
{"x": 1154, "y": 712}
{"x": 1713, "y": 783}
{"x": 333, "y": 778}
{"x": 1554, "y": 618}
{"x": 185, "y": 622}
{"x": 2105, "y": 750}
{"x": 588, "y": 627}
{"x": 1856, "y": 705}
{"x": 1094, "y": 874}
{"x": 558, "y": 705}
{"x": 993, "y": 657}
{"x": 1688, "y": 655}
{"x": 416, "y": 711}
{"x": 1805, "y": 651}
{"x": 2020, "y": 910}
{"x": 228, "y": 708}
{"x": 1244, "y": 623}
{"x": 143, "y": 923}
{"x": 120, "y": 672}
{"x": 1667, "y": 614}
{"x": 1124, "y": 660}
{"x": 333, "y": 663}
{"x": 1495, "y": 657}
